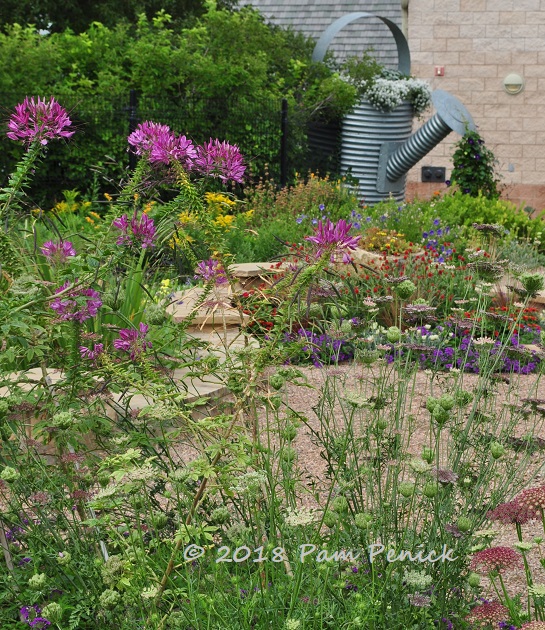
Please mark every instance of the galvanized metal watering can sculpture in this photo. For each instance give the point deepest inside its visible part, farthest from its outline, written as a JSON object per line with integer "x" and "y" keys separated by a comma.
{"x": 377, "y": 147}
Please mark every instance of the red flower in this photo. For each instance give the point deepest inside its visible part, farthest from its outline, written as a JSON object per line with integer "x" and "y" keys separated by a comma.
{"x": 488, "y": 613}
{"x": 532, "y": 498}
{"x": 496, "y": 559}
{"x": 511, "y": 513}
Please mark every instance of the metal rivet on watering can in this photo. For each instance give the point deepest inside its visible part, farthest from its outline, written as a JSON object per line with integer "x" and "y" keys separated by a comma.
{"x": 377, "y": 147}
{"x": 396, "y": 158}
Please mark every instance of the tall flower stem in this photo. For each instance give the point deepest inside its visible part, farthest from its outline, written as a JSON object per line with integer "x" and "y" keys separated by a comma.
{"x": 17, "y": 180}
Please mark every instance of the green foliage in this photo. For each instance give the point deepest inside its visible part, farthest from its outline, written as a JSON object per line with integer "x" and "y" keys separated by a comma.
{"x": 224, "y": 75}
{"x": 463, "y": 209}
{"x": 474, "y": 167}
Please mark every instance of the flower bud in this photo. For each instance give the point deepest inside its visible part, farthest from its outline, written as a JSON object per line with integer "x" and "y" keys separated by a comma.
{"x": 440, "y": 415}
{"x": 363, "y": 520}
{"x": 447, "y": 402}
{"x": 430, "y": 490}
{"x": 428, "y": 455}
{"x": 533, "y": 283}
{"x": 431, "y": 403}
{"x": 406, "y": 489}
{"x": 339, "y": 504}
{"x": 497, "y": 450}
{"x": 276, "y": 381}
{"x": 331, "y": 519}
{"x": 474, "y": 580}
{"x": 405, "y": 289}
{"x": 64, "y": 558}
{"x": 37, "y": 581}
{"x": 393, "y": 334}
{"x": 463, "y": 524}
{"x": 9, "y": 474}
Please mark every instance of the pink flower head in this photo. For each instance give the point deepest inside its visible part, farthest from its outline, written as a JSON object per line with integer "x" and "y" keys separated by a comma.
{"x": 512, "y": 513}
{"x": 161, "y": 145}
{"x": 488, "y": 613}
{"x": 140, "y": 231}
{"x": 57, "y": 253}
{"x": 77, "y": 304}
{"x": 91, "y": 355}
{"x": 333, "y": 238}
{"x": 209, "y": 270}
{"x": 532, "y": 498}
{"x": 39, "y": 120}
{"x": 168, "y": 148}
{"x": 220, "y": 159}
{"x": 533, "y": 625}
{"x": 146, "y": 134}
{"x": 496, "y": 559}
{"x": 133, "y": 341}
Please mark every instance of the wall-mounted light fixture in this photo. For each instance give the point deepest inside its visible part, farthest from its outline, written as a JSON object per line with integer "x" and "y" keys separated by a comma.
{"x": 513, "y": 83}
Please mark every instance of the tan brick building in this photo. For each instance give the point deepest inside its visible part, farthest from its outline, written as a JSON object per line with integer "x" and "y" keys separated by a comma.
{"x": 478, "y": 43}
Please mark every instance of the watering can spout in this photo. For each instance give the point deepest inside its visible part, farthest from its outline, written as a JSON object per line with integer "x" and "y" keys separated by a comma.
{"x": 397, "y": 158}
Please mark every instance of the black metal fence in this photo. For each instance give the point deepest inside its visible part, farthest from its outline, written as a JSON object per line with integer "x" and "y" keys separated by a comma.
{"x": 274, "y": 139}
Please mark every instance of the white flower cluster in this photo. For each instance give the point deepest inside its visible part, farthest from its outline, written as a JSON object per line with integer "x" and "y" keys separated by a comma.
{"x": 300, "y": 517}
{"x": 250, "y": 483}
{"x": 387, "y": 94}
{"x": 417, "y": 579}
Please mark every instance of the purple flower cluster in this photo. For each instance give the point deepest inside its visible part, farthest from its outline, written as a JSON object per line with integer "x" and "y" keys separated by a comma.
{"x": 220, "y": 159}
{"x": 91, "y": 354}
{"x": 431, "y": 242}
{"x": 463, "y": 354}
{"x": 133, "y": 341}
{"x": 211, "y": 270}
{"x": 58, "y": 253}
{"x": 136, "y": 231}
{"x": 320, "y": 349}
{"x": 31, "y": 615}
{"x": 333, "y": 238}
{"x": 77, "y": 304}
{"x": 40, "y": 121}
{"x": 162, "y": 146}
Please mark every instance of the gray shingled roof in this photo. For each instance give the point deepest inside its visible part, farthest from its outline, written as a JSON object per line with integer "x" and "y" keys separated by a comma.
{"x": 312, "y": 17}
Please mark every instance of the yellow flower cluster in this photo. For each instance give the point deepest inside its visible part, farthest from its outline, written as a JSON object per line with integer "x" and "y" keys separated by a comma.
{"x": 377, "y": 240}
{"x": 225, "y": 220}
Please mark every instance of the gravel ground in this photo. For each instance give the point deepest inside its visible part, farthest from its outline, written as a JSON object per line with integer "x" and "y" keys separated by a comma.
{"x": 352, "y": 378}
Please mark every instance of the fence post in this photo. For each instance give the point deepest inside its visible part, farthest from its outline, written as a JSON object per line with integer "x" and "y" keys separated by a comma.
{"x": 284, "y": 144}
{"x": 133, "y": 122}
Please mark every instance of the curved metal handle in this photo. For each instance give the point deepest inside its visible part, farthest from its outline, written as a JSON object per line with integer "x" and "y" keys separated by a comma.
{"x": 403, "y": 54}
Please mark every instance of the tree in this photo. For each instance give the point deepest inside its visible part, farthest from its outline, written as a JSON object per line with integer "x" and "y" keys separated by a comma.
{"x": 78, "y": 15}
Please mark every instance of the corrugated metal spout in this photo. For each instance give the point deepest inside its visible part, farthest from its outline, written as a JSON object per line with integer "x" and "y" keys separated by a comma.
{"x": 397, "y": 158}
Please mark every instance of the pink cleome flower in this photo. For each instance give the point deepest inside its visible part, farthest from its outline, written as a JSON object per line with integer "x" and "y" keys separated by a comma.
{"x": 77, "y": 304}
{"x": 132, "y": 341}
{"x": 209, "y": 270}
{"x": 488, "y": 613}
{"x": 40, "y": 121}
{"x": 334, "y": 239}
{"x": 532, "y": 498}
{"x": 161, "y": 145}
{"x": 91, "y": 354}
{"x": 220, "y": 159}
{"x": 135, "y": 231}
{"x": 512, "y": 513}
{"x": 496, "y": 559}
{"x": 58, "y": 253}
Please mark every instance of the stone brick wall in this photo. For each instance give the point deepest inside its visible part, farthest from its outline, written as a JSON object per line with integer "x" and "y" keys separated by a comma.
{"x": 478, "y": 43}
